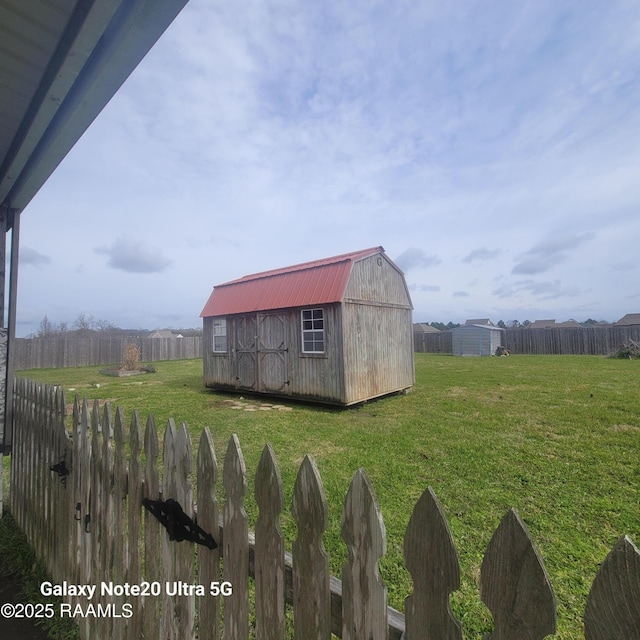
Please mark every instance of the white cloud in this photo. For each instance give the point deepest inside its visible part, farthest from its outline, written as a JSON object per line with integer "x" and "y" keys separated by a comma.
{"x": 32, "y": 257}
{"x": 264, "y": 134}
{"x": 134, "y": 256}
{"x": 549, "y": 253}
{"x": 413, "y": 258}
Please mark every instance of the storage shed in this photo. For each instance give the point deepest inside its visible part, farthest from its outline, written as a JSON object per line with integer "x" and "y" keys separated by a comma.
{"x": 476, "y": 338}
{"x": 336, "y": 330}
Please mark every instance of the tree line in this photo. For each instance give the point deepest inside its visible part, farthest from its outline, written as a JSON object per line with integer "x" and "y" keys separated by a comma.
{"x": 87, "y": 325}
{"x": 513, "y": 324}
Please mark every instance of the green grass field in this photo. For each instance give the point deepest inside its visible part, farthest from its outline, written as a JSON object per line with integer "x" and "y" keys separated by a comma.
{"x": 556, "y": 437}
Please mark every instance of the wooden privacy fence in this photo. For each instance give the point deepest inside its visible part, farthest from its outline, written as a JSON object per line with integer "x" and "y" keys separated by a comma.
{"x": 592, "y": 341}
{"x": 55, "y": 353}
{"x": 78, "y": 496}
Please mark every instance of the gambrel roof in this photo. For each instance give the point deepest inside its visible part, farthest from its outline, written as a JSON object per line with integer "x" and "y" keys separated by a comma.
{"x": 310, "y": 283}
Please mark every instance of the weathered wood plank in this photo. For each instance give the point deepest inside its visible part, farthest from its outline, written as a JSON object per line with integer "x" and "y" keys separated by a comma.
{"x": 235, "y": 543}
{"x": 430, "y": 556}
{"x": 311, "y": 592}
{"x": 169, "y": 628}
{"x": 613, "y": 606}
{"x": 515, "y": 586}
{"x": 184, "y": 607}
{"x": 134, "y": 524}
{"x": 103, "y": 519}
{"x": 208, "y": 559}
{"x": 364, "y": 595}
{"x": 82, "y": 496}
{"x": 91, "y": 531}
{"x": 152, "y": 547}
{"x": 269, "y": 550}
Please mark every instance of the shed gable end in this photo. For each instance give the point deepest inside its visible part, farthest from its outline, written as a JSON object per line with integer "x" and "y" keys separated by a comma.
{"x": 377, "y": 280}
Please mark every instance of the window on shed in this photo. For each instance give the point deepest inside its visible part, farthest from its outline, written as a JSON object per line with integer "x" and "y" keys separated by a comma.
{"x": 313, "y": 330}
{"x": 220, "y": 334}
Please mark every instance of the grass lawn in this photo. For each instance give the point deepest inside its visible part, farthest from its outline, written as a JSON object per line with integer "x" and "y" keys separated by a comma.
{"x": 556, "y": 437}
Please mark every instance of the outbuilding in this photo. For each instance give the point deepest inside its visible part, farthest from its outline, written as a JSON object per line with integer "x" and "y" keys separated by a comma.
{"x": 476, "y": 338}
{"x": 336, "y": 330}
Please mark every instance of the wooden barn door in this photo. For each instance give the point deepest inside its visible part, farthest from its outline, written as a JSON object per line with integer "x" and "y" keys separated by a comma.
{"x": 273, "y": 353}
{"x": 246, "y": 356}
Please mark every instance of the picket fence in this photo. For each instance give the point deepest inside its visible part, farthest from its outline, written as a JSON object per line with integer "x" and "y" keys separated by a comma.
{"x": 90, "y": 528}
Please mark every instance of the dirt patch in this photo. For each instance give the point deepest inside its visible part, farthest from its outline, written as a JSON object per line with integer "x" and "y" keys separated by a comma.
{"x": 241, "y": 404}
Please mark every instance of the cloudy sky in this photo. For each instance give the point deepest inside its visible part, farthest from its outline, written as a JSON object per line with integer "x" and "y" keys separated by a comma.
{"x": 492, "y": 148}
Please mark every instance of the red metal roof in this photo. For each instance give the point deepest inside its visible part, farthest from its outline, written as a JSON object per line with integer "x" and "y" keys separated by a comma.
{"x": 310, "y": 283}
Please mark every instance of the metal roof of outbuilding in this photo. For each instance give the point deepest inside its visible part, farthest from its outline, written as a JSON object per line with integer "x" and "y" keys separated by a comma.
{"x": 310, "y": 283}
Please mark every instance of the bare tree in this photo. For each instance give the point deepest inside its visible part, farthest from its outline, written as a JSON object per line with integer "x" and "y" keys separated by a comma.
{"x": 46, "y": 328}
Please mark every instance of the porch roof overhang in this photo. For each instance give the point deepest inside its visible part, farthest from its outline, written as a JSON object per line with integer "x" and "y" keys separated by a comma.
{"x": 61, "y": 61}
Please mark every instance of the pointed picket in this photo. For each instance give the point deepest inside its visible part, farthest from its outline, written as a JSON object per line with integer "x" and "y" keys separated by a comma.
{"x": 118, "y": 521}
{"x": 515, "y": 586}
{"x": 432, "y": 560}
{"x": 184, "y": 606}
{"x": 134, "y": 524}
{"x": 235, "y": 543}
{"x": 94, "y": 504}
{"x": 269, "y": 554}
{"x": 364, "y": 595}
{"x": 152, "y": 529}
{"x": 311, "y": 591}
{"x": 613, "y": 606}
{"x": 208, "y": 559}
{"x": 169, "y": 627}
{"x": 103, "y": 520}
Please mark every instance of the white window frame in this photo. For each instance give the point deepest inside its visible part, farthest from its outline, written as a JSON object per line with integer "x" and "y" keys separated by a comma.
{"x": 219, "y": 335}
{"x": 312, "y": 324}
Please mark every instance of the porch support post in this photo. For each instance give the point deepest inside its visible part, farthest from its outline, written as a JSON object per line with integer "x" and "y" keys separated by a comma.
{"x": 13, "y": 308}
{"x": 4, "y": 215}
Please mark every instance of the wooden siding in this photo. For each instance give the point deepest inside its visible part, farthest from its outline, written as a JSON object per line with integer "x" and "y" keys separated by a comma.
{"x": 376, "y": 280}
{"x": 265, "y": 355}
{"x": 217, "y": 366}
{"x": 318, "y": 377}
{"x": 378, "y": 351}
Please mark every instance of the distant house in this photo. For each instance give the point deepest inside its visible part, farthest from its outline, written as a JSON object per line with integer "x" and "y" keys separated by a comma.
{"x": 476, "y": 338}
{"x": 628, "y": 319}
{"x": 552, "y": 324}
{"x": 163, "y": 333}
{"x": 336, "y": 330}
{"x": 541, "y": 324}
{"x": 569, "y": 324}
{"x": 485, "y": 322}
{"x": 420, "y": 327}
